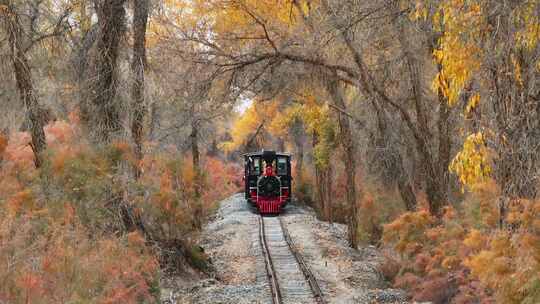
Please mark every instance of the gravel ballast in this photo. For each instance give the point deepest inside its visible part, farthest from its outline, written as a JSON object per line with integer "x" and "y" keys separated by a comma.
{"x": 231, "y": 241}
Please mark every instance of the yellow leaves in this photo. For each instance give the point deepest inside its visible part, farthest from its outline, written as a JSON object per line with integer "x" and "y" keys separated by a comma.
{"x": 474, "y": 100}
{"x": 475, "y": 240}
{"x": 245, "y": 16}
{"x": 450, "y": 262}
{"x": 318, "y": 122}
{"x": 254, "y": 119}
{"x": 420, "y": 12}
{"x": 280, "y": 124}
{"x": 409, "y": 228}
{"x": 81, "y": 13}
{"x": 458, "y": 54}
{"x": 527, "y": 20}
{"x": 495, "y": 265}
{"x": 471, "y": 164}
{"x": 305, "y": 6}
{"x": 517, "y": 70}
{"x": 155, "y": 31}
{"x": 175, "y": 4}
{"x": 277, "y": 117}
{"x": 479, "y": 262}
{"x": 458, "y": 63}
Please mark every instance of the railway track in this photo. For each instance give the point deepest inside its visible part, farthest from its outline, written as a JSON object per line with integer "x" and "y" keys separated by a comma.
{"x": 290, "y": 278}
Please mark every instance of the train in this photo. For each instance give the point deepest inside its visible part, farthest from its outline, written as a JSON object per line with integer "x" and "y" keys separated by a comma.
{"x": 268, "y": 180}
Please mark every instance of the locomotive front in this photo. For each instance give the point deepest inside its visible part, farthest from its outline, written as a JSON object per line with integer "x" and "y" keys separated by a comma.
{"x": 267, "y": 179}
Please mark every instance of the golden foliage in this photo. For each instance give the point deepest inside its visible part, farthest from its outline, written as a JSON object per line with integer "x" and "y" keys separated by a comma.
{"x": 472, "y": 103}
{"x": 255, "y": 118}
{"x": 407, "y": 232}
{"x": 242, "y": 16}
{"x": 48, "y": 259}
{"x": 58, "y": 241}
{"x": 460, "y": 24}
{"x": 487, "y": 263}
{"x": 471, "y": 164}
{"x": 527, "y": 20}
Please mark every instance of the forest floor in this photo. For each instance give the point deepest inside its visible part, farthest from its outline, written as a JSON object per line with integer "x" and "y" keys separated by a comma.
{"x": 231, "y": 241}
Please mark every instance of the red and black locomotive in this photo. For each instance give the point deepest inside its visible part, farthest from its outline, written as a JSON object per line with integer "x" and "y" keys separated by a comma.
{"x": 268, "y": 182}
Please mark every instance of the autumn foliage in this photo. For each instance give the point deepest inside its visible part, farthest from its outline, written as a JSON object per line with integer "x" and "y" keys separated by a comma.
{"x": 61, "y": 237}
{"x": 467, "y": 256}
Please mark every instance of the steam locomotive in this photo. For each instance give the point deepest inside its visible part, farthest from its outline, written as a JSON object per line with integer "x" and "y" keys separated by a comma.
{"x": 268, "y": 181}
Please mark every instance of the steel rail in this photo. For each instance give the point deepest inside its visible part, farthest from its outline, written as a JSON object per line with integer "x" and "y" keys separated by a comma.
{"x": 310, "y": 278}
{"x": 270, "y": 272}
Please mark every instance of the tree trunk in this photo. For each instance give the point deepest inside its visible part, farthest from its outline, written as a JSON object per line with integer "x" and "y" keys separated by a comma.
{"x": 195, "y": 157}
{"x": 328, "y": 212}
{"x": 140, "y": 20}
{"x": 321, "y": 185}
{"x": 213, "y": 150}
{"x": 280, "y": 145}
{"x": 81, "y": 63}
{"x": 155, "y": 118}
{"x": 349, "y": 161}
{"x": 25, "y": 85}
{"x": 111, "y": 21}
{"x": 404, "y": 187}
{"x": 299, "y": 160}
{"x": 518, "y": 121}
{"x": 436, "y": 184}
{"x": 445, "y": 144}
{"x": 395, "y": 171}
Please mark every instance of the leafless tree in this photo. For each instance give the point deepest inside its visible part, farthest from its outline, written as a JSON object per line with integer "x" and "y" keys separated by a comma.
{"x": 140, "y": 21}
{"x": 22, "y": 36}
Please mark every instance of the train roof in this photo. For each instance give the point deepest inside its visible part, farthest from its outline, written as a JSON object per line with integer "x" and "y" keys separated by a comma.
{"x": 266, "y": 152}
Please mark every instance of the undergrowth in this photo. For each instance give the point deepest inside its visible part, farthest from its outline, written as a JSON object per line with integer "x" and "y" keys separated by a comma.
{"x": 81, "y": 230}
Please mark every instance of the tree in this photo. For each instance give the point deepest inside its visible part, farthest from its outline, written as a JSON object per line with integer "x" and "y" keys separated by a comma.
{"x": 19, "y": 45}
{"x": 105, "y": 120}
{"x": 349, "y": 160}
{"x": 140, "y": 20}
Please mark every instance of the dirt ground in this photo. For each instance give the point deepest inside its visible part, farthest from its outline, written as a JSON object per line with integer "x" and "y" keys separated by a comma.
{"x": 231, "y": 241}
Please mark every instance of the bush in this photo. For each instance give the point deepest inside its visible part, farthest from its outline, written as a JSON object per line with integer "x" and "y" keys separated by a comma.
{"x": 79, "y": 231}
{"x": 52, "y": 259}
{"x": 376, "y": 209}
{"x": 465, "y": 257}
{"x": 303, "y": 190}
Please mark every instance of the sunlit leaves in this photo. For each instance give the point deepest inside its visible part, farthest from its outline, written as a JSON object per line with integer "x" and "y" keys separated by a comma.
{"x": 517, "y": 71}
{"x": 460, "y": 24}
{"x": 246, "y": 15}
{"x": 471, "y": 164}
{"x": 281, "y": 123}
{"x": 472, "y": 103}
{"x": 320, "y": 123}
{"x": 419, "y": 12}
{"x": 407, "y": 232}
{"x": 509, "y": 263}
{"x": 250, "y": 124}
{"x": 527, "y": 20}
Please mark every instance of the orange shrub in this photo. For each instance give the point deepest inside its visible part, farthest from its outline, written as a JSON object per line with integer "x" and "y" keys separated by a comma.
{"x": 170, "y": 178}
{"x": 221, "y": 179}
{"x": 54, "y": 260}
{"x": 63, "y": 231}
{"x": 465, "y": 257}
{"x": 3, "y": 144}
{"x": 508, "y": 262}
